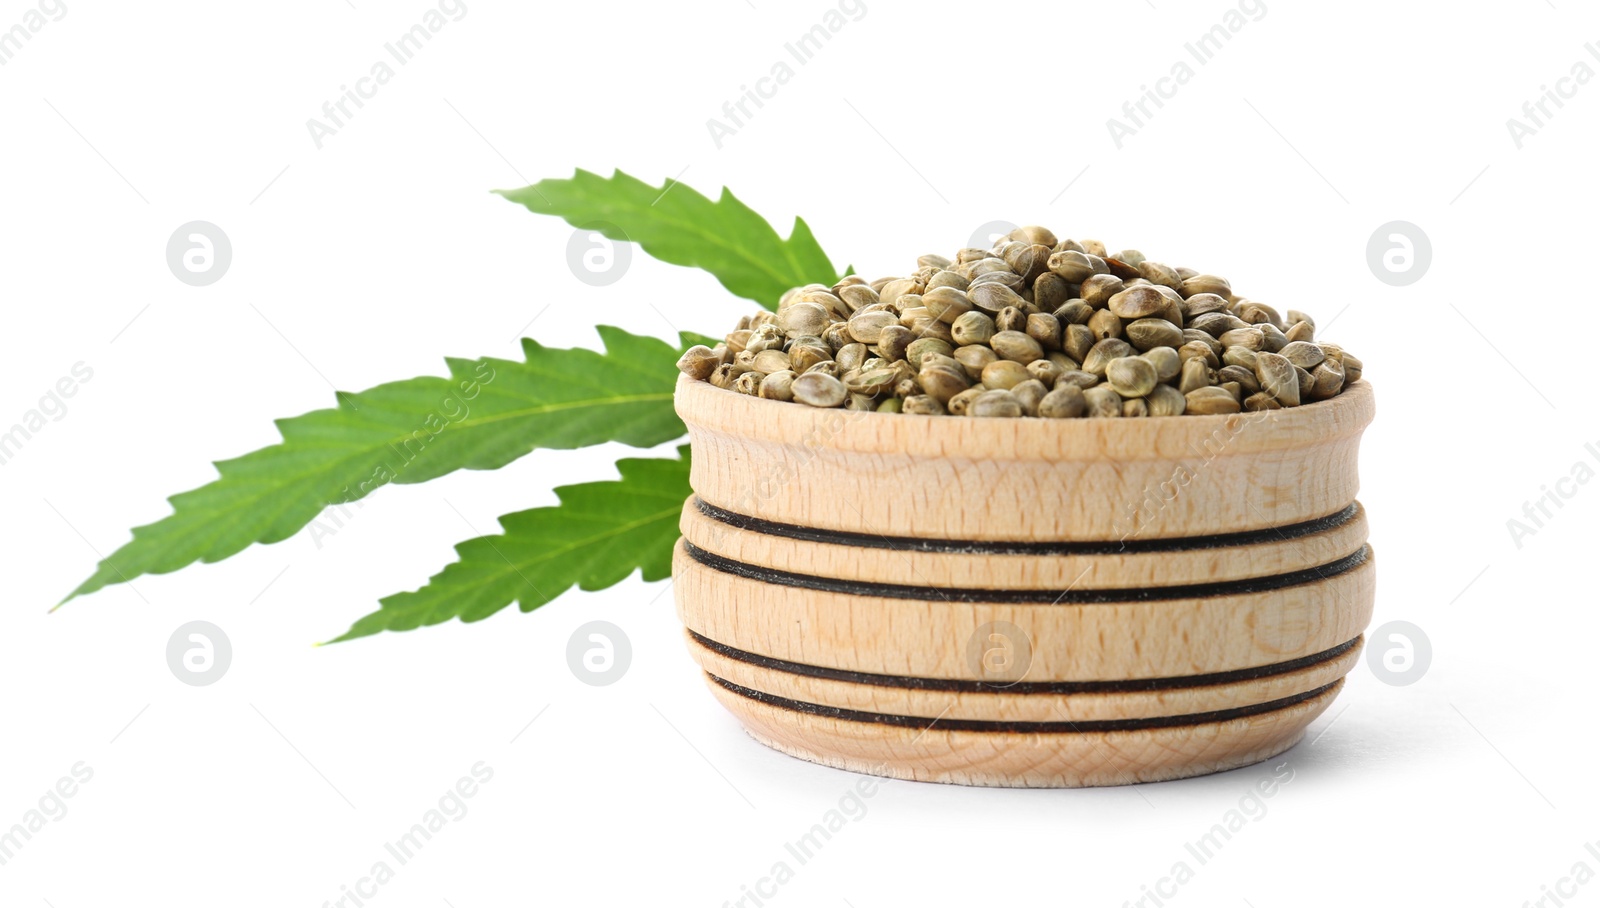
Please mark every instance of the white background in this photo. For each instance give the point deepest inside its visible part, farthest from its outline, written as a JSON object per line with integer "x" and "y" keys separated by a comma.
{"x": 375, "y": 256}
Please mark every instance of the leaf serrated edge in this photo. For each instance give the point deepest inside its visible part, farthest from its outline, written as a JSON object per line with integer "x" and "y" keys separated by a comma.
{"x": 624, "y": 466}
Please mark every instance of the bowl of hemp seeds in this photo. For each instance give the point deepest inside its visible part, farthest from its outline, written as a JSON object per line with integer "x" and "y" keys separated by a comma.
{"x": 1138, "y": 556}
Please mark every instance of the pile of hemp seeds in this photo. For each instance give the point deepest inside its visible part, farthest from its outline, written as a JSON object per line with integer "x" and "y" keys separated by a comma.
{"x": 1034, "y": 327}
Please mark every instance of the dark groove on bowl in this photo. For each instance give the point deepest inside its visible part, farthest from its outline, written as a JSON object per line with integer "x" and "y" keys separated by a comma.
{"x": 1034, "y": 596}
{"x": 1085, "y": 727}
{"x": 956, "y": 685}
{"x": 971, "y": 547}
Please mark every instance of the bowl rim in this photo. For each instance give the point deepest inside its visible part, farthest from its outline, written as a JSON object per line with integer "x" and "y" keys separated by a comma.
{"x": 707, "y": 408}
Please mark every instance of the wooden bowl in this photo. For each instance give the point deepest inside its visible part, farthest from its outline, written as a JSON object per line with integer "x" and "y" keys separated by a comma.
{"x": 1023, "y": 602}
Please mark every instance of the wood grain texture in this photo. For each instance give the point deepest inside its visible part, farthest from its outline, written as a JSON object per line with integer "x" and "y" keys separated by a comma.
{"x": 930, "y": 638}
{"x": 1024, "y": 571}
{"x": 1169, "y": 597}
{"x": 1008, "y": 705}
{"x": 1023, "y": 479}
{"x": 1038, "y": 760}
